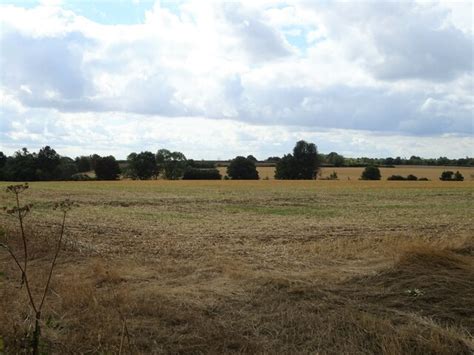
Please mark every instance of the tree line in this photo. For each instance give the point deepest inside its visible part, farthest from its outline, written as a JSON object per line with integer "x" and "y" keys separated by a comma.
{"x": 302, "y": 163}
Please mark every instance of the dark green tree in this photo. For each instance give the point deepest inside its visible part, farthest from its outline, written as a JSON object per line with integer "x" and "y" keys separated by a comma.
{"x": 83, "y": 164}
{"x": 47, "y": 161}
{"x": 21, "y": 166}
{"x": 302, "y": 165}
{"x": 171, "y": 164}
{"x": 285, "y": 168}
{"x": 66, "y": 169}
{"x": 371, "y": 173}
{"x": 335, "y": 159}
{"x": 107, "y": 168}
{"x": 142, "y": 166}
{"x": 242, "y": 168}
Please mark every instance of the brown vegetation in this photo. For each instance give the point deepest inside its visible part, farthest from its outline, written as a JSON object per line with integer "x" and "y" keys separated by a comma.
{"x": 201, "y": 267}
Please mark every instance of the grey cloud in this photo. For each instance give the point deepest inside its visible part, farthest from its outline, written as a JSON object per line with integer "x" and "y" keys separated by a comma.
{"x": 43, "y": 64}
{"x": 416, "y": 51}
{"x": 260, "y": 41}
{"x": 348, "y": 107}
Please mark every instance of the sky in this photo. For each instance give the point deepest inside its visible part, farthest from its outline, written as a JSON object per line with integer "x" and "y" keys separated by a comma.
{"x": 215, "y": 79}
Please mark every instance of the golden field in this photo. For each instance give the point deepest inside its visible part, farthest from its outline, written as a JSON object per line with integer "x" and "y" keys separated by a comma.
{"x": 330, "y": 267}
{"x": 343, "y": 173}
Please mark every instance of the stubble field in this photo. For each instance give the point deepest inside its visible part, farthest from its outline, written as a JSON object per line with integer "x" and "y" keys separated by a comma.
{"x": 249, "y": 266}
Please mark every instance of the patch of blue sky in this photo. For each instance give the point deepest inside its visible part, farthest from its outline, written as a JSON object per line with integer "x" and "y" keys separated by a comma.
{"x": 296, "y": 36}
{"x": 108, "y": 12}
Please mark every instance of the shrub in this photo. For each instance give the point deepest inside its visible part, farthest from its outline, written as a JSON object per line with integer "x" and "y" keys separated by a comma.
{"x": 412, "y": 177}
{"x": 396, "y": 177}
{"x": 458, "y": 176}
{"x": 201, "y": 174}
{"x": 450, "y": 176}
{"x": 423, "y": 179}
{"x": 371, "y": 173}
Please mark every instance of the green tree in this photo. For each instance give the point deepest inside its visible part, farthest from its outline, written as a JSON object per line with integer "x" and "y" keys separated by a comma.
{"x": 335, "y": 159}
{"x": 142, "y": 166}
{"x": 83, "y": 164}
{"x": 21, "y": 166}
{"x": 47, "y": 161}
{"x": 302, "y": 165}
{"x": 107, "y": 168}
{"x": 242, "y": 168}
{"x": 172, "y": 164}
{"x": 371, "y": 173}
{"x": 285, "y": 168}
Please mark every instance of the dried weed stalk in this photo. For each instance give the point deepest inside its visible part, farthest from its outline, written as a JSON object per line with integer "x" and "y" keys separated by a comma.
{"x": 20, "y": 212}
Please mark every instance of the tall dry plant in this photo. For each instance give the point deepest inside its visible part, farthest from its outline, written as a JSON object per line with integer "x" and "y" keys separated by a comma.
{"x": 20, "y": 212}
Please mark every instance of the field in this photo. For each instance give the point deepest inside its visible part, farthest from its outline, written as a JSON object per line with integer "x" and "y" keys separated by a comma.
{"x": 429, "y": 172}
{"x": 249, "y": 266}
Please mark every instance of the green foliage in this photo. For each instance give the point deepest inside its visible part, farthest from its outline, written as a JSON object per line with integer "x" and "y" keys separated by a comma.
{"x": 201, "y": 174}
{"x": 107, "y": 168}
{"x": 335, "y": 159}
{"x": 172, "y": 164}
{"x": 371, "y": 173}
{"x": 242, "y": 168}
{"x": 142, "y": 166}
{"x": 302, "y": 165}
{"x": 451, "y": 176}
{"x": 83, "y": 164}
{"x": 410, "y": 177}
{"x": 47, "y": 160}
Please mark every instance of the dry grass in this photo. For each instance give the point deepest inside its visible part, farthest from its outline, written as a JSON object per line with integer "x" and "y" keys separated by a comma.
{"x": 430, "y": 172}
{"x": 265, "y": 266}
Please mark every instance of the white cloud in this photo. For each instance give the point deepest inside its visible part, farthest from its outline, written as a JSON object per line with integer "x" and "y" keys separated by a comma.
{"x": 404, "y": 68}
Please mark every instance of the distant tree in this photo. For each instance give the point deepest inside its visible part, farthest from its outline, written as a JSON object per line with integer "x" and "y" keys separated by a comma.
{"x": 93, "y": 159}
{"x": 251, "y": 157}
{"x": 107, "y": 168}
{"x": 83, "y": 164}
{"x": 303, "y": 164}
{"x": 285, "y": 168}
{"x": 172, "y": 164}
{"x": 22, "y": 166}
{"x": 242, "y": 168}
{"x": 371, "y": 173}
{"x": 3, "y": 162}
{"x": 335, "y": 159}
{"x": 47, "y": 162}
{"x": 66, "y": 169}
{"x": 142, "y": 166}
{"x": 272, "y": 159}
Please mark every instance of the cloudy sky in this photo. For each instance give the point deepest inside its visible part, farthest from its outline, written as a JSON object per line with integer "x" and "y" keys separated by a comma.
{"x": 215, "y": 79}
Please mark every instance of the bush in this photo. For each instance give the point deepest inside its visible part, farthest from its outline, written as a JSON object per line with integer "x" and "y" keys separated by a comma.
{"x": 396, "y": 177}
{"x": 371, "y": 173}
{"x": 201, "y": 174}
{"x": 451, "y": 176}
{"x": 423, "y": 179}
{"x": 458, "y": 176}
{"x": 412, "y": 177}
{"x": 242, "y": 168}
